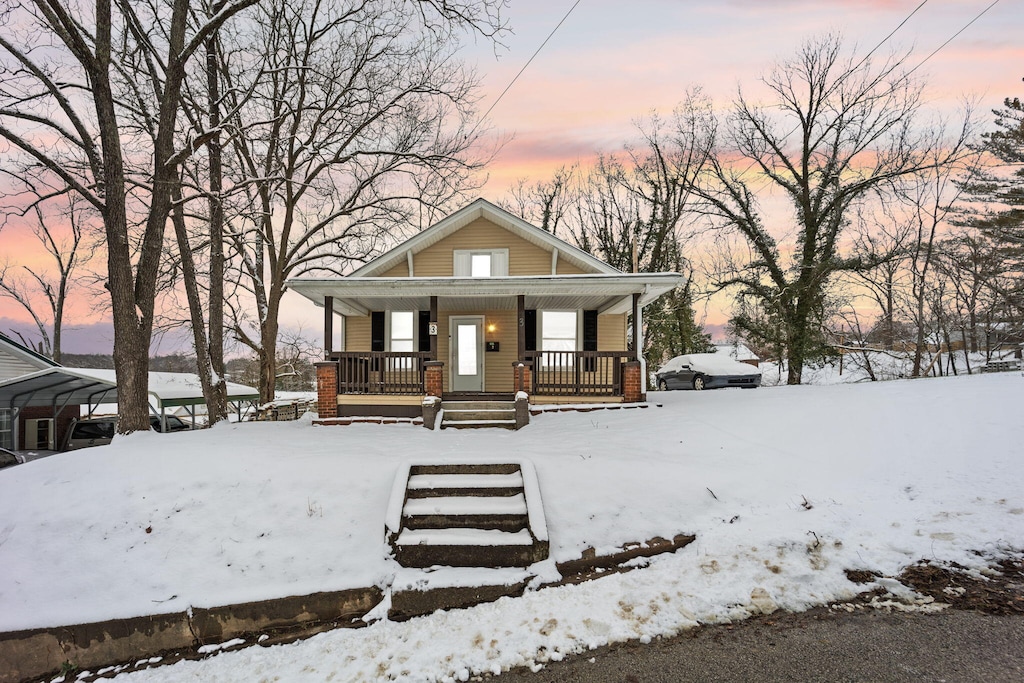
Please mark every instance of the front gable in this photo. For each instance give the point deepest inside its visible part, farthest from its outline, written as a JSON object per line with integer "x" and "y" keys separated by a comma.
{"x": 481, "y": 228}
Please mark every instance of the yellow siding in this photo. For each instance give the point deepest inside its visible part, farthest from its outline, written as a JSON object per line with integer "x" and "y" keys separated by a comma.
{"x": 524, "y": 258}
{"x": 611, "y": 332}
{"x": 565, "y": 268}
{"x": 357, "y": 333}
{"x": 401, "y": 270}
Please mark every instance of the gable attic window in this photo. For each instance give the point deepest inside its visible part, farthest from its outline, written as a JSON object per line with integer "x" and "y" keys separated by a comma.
{"x": 480, "y": 263}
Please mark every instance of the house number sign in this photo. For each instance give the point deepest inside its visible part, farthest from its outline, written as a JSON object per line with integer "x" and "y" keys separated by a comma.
{"x": 433, "y": 329}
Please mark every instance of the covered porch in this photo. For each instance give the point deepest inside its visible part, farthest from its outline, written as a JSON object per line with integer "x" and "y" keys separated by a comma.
{"x": 393, "y": 341}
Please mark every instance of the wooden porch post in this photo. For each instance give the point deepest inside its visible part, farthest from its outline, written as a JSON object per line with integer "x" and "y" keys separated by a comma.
{"x": 637, "y": 324}
{"x": 521, "y": 327}
{"x": 433, "y": 322}
{"x": 328, "y": 326}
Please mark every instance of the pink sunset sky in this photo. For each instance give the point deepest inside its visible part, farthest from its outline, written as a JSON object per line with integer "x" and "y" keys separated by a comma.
{"x": 613, "y": 62}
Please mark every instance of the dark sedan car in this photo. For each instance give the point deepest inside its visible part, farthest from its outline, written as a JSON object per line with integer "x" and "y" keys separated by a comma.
{"x": 706, "y": 371}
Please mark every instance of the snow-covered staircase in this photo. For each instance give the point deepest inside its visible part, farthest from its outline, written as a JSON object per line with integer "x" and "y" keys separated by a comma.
{"x": 468, "y": 515}
{"x": 465, "y": 532}
{"x": 468, "y": 414}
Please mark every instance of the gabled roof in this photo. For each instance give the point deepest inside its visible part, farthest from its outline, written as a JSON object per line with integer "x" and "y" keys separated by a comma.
{"x": 481, "y": 208}
{"x": 22, "y": 356}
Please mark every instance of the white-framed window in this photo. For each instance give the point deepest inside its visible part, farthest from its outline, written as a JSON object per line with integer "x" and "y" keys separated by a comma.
{"x": 480, "y": 263}
{"x": 6, "y": 435}
{"x": 401, "y": 336}
{"x": 559, "y": 331}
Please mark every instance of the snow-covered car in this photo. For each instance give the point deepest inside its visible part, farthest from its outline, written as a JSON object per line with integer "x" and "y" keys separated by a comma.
{"x": 706, "y": 371}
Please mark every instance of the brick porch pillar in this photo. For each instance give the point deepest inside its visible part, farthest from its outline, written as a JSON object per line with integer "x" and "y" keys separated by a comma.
{"x": 522, "y": 375}
{"x": 327, "y": 389}
{"x": 632, "y": 387}
{"x": 433, "y": 377}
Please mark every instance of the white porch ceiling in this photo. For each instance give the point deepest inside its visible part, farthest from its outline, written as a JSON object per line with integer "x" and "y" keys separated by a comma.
{"x": 606, "y": 293}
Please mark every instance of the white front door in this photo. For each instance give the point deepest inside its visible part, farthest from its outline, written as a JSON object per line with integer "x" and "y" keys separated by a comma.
{"x": 467, "y": 356}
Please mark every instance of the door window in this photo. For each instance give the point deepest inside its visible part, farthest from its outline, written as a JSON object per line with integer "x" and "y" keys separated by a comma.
{"x": 467, "y": 360}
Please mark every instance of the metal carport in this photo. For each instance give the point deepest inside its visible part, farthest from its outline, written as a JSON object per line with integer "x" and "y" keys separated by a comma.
{"x": 59, "y": 387}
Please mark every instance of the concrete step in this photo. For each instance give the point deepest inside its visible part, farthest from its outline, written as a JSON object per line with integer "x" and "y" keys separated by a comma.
{"x": 479, "y": 414}
{"x": 467, "y": 547}
{"x": 415, "y": 592}
{"x": 478, "y": 405}
{"x": 478, "y": 424}
{"x": 504, "y": 513}
{"x": 444, "y": 485}
{"x": 464, "y": 468}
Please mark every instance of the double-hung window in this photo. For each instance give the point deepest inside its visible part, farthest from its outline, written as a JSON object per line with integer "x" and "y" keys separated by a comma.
{"x": 558, "y": 334}
{"x": 402, "y": 336}
{"x": 6, "y": 439}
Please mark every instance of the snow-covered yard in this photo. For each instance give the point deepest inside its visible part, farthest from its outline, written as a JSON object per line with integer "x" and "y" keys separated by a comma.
{"x": 784, "y": 487}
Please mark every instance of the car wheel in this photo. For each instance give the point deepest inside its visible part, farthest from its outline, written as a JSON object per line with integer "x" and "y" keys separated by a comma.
{"x": 662, "y": 385}
{"x": 698, "y": 383}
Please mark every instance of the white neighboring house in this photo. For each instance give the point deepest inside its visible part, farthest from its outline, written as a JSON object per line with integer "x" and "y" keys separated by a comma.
{"x": 739, "y": 351}
{"x": 17, "y": 360}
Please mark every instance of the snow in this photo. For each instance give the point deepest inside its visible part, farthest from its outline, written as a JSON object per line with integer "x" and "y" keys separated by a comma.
{"x": 466, "y": 505}
{"x": 784, "y": 487}
{"x": 478, "y": 537}
{"x": 465, "y": 481}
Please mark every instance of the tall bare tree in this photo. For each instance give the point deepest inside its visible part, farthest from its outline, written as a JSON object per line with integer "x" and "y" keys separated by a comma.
{"x": 361, "y": 114}
{"x": 836, "y": 134}
{"x": 71, "y": 75}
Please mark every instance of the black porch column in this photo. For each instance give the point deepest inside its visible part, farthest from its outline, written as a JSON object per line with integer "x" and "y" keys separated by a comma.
{"x": 433, "y": 327}
{"x": 521, "y": 327}
{"x": 636, "y": 326}
{"x": 328, "y": 326}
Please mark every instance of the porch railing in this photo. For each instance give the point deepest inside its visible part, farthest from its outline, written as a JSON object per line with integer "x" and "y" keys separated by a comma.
{"x": 583, "y": 373}
{"x": 380, "y": 372}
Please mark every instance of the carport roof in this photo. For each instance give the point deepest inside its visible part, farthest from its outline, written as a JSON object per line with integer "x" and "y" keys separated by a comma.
{"x": 88, "y": 386}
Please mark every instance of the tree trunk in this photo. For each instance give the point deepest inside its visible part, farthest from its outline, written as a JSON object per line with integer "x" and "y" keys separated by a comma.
{"x": 216, "y": 403}
{"x": 268, "y": 348}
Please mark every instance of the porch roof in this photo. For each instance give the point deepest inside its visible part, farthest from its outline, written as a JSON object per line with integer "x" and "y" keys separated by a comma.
{"x": 605, "y": 293}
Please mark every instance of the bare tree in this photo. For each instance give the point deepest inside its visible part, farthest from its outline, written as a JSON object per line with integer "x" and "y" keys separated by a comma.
{"x": 64, "y": 238}
{"x": 72, "y": 75}
{"x": 361, "y": 114}
{"x": 837, "y": 134}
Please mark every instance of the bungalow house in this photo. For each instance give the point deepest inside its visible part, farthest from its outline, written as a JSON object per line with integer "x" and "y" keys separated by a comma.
{"x": 480, "y": 305}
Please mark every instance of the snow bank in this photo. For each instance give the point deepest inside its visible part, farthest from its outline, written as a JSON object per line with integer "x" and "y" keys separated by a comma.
{"x": 784, "y": 487}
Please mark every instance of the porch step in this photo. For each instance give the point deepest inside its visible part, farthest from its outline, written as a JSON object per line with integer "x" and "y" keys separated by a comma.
{"x": 476, "y": 414}
{"x": 503, "y": 513}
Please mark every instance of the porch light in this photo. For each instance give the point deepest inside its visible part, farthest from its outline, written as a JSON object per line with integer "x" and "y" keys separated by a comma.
{"x": 491, "y": 327}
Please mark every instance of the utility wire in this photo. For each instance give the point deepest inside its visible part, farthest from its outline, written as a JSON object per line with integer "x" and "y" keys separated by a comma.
{"x": 954, "y": 36}
{"x": 529, "y": 61}
{"x": 882, "y": 42}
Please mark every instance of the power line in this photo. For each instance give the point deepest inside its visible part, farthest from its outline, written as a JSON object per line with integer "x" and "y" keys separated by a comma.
{"x": 530, "y": 60}
{"x": 954, "y": 36}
